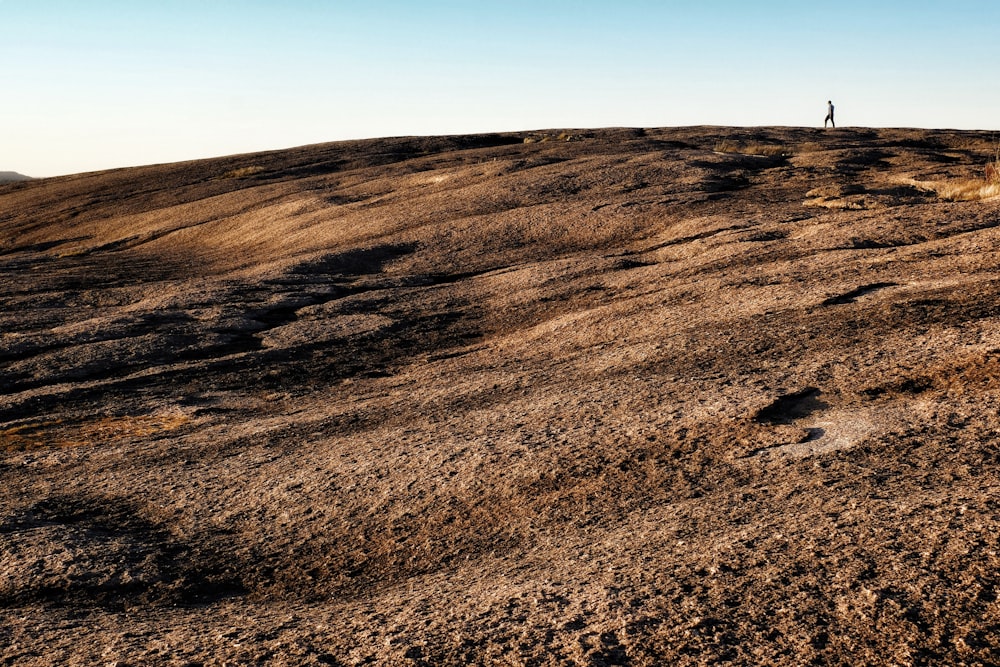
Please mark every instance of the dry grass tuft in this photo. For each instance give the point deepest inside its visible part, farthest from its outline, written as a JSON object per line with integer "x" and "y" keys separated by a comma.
{"x": 808, "y": 147}
{"x": 972, "y": 189}
{"x": 992, "y": 171}
{"x": 546, "y": 138}
{"x": 243, "y": 172}
{"x": 752, "y": 148}
{"x": 58, "y": 434}
{"x": 969, "y": 189}
{"x": 840, "y": 203}
{"x": 76, "y": 252}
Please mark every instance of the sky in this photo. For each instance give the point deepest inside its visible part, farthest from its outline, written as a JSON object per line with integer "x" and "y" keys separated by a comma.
{"x": 97, "y": 84}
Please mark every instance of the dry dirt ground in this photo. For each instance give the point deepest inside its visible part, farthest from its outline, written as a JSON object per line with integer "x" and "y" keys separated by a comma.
{"x": 668, "y": 396}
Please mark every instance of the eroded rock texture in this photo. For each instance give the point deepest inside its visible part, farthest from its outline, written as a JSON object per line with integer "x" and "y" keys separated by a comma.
{"x": 614, "y": 397}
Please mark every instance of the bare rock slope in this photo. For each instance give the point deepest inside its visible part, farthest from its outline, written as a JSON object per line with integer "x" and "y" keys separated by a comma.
{"x": 613, "y": 397}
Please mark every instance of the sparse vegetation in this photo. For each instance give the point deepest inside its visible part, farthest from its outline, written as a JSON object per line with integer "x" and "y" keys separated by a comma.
{"x": 243, "y": 172}
{"x": 856, "y": 203}
{"x": 965, "y": 190}
{"x": 75, "y": 252}
{"x": 808, "y": 147}
{"x": 752, "y": 148}
{"x": 969, "y": 189}
{"x": 100, "y": 430}
{"x": 992, "y": 171}
{"x": 545, "y": 138}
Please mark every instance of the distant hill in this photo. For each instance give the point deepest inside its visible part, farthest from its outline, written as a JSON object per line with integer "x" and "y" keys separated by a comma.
{"x": 12, "y": 176}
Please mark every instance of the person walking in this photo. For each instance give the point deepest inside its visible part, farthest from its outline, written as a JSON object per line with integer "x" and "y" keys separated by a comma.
{"x": 829, "y": 114}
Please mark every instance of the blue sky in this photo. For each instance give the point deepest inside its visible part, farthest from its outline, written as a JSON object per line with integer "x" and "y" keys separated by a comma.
{"x": 95, "y": 84}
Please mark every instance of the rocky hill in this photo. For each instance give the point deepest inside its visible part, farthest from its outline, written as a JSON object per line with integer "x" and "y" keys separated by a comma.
{"x": 612, "y": 397}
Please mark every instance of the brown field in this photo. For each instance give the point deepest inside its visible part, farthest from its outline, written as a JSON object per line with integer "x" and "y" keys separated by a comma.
{"x": 678, "y": 396}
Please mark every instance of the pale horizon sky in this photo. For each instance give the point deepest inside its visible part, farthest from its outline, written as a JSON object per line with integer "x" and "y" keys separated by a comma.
{"x": 101, "y": 84}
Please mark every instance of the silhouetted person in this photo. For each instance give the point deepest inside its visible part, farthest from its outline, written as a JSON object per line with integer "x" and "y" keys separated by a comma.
{"x": 829, "y": 114}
